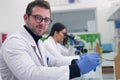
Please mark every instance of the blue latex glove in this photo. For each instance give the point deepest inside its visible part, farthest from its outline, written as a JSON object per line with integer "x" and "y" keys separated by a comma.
{"x": 93, "y": 54}
{"x": 83, "y": 54}
{"x": 88, "y": 62}
{"x": 71, "y": 42}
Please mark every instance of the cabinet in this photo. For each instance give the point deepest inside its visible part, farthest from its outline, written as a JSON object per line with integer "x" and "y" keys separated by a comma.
{"x": 76, "y": 20}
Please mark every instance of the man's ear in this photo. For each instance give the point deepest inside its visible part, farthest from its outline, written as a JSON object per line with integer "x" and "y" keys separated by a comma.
{"x": 25, "y": 16}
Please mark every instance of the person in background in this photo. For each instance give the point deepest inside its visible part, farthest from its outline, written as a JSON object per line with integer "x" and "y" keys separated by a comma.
{"x": 57, "y": 42}
{"x": 24, "y": 57}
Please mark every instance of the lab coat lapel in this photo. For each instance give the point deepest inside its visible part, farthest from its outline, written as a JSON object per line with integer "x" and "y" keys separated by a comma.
{"x": 42, "y": 52}
{"x": 33, "y": 45}
{"x": 37, "y": 52}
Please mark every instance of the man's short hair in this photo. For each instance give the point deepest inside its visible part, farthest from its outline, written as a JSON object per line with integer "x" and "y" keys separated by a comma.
{"x": 39, "y": 3}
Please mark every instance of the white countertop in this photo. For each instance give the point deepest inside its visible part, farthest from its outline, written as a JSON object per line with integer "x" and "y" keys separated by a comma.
{"x": 108, "y": 59}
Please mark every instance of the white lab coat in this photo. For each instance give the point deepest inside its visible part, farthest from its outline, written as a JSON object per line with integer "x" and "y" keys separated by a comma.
{"x": 54, "y": 48}
{"x": 18, "y": 60}
{"x": 70, "y": 51}
{"x": 0, "y": 77}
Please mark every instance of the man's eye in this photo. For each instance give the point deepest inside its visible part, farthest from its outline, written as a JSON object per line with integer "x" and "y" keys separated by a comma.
{"x": 38, "y": 17}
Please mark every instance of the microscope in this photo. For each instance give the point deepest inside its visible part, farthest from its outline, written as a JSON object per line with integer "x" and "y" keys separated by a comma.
{"x": 78, "y": 44}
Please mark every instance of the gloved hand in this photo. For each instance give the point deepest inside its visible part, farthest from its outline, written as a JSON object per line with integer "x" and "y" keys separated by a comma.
{"x": 88, "y": 62}
{"x": 82, "y": 55}
{"x": 93, "y": 54}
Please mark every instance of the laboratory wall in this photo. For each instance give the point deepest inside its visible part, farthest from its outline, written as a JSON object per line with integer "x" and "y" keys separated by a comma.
{"x": 12, "y": 11}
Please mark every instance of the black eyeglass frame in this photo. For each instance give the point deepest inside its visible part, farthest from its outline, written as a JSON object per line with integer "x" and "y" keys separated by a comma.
{"x": 39, "y": 18}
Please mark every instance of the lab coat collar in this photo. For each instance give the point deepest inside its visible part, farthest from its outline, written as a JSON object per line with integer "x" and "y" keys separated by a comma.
{"x": 35, "y": 37}
{"x": 27, "y": 36}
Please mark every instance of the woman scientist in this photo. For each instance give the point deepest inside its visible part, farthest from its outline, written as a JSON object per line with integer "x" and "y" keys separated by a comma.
{"x": 55, "y": 42}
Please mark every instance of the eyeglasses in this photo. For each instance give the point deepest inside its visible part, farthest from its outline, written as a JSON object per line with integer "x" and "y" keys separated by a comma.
{"x": 39, "y": 18}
